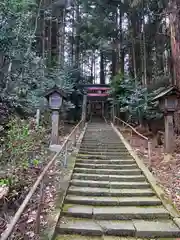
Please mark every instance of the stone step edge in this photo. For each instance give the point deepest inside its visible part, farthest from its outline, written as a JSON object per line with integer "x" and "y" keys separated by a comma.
{"x": 106, "y": 169}
{"x": 106, "y": 166}
{"x": 118, "y": 228}
{"x": 109, "y": 183}
{"x": 116, "y": 212}
{"x": 113, "y": 201}
{"x": 110, "y": 192}
{"x": 105, "y": 177}
{"x": 107, "y": 162}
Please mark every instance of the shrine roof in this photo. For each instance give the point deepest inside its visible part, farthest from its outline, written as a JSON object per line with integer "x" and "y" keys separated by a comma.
{"x": 166, "y": 92}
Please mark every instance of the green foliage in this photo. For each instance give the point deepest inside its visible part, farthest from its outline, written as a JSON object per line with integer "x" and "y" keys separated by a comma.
{"x": 24, "y": 141}
{"x": 4, "y": 182}
{"x": 134, "y": 99}
{"x": 23, "y": 76}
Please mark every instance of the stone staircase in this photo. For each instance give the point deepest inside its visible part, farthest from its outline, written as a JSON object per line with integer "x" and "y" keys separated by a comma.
{"x": 109, "y": 195}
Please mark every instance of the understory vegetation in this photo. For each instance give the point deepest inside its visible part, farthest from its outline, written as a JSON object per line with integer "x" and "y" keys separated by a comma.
{"x": 135, "y": 100}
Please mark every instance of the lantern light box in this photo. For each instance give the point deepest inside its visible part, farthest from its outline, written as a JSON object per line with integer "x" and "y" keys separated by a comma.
{"x": 169, "y": 103}
{"x": 55, "y": 98}
{"x": 168, "y": 100}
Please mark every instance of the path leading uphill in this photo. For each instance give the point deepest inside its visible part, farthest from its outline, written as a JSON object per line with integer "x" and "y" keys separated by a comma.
{"x": 110, "y": 196}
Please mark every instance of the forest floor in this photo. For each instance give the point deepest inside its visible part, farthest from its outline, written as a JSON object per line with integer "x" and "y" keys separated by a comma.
{"x": 26, "y": 226}
{"x": 166, "y": 170}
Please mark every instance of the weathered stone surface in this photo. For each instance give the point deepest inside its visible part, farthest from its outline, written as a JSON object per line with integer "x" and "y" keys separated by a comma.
{"x": 106, "y": 177}
{"x": 128, "y": 213}
{"x": 81, "y": 227}
{"x": 131, "y": 185}
{"x": 156, "y": 228}
{"x": 108, "y": 171}
{"x": 129, "y": 238}
{"x": 87, "y": 191}
{"x": 78, "y": 210}
{"x": 127, "y": 178}
{"x": 77, "y": 237}
{"x": 118, "y": 153}
{"x": 113, "y": 201}
{"x": 111, "y": 196}
{"x": 95, "y": 201}
{"x": 106, "y": 166}
{"x": 115, "y": 161}
{"x": 90, "y": 183}
{"x": 120, "y": 228}
{"x": 103, "y": 157}
{"x": 139, "y": 201}
{"x": 90, "y": 176}
{"x": 131, "y": 192}
{"x": 103, "y": 149}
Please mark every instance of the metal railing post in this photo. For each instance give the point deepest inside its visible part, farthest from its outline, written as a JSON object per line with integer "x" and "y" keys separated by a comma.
{"x": 131, "y": 132}
{"x": 74, "y": 138}
{"x": 40, "y": 206}
{"x": 150, "y": 152}
{"x": 65, "y": 156}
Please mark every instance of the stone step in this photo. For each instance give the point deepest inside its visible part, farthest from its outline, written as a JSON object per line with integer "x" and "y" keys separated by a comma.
{"x": 83, "y": 156}
{"x": 107, "y": 184}
{"x": 106, "y": 166}
{"x": 109, "y": 162}
{"x": 79, "y": 226}
{"x": 101, "y": 145}
{"x": 103, "y": 141}
{"x": 148, "y": 229}
{"x": 105, "y": 138}
{"x": 109, "y": 196}
{"x": 89, "y": 191}
{"x": 113, "y": 201}
{"x": 108, "y": 171}
{"x": 123, "y": 178}
{"x": 103, "y": 150}
{"x": 106, "y": 153}
{"x": 104, "y": 237}
{"x": 116, "y": 213}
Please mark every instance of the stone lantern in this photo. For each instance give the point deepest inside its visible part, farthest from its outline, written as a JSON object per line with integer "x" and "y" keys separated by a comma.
{"x": 168, "y": 104}
{"x": 55, "y": 97}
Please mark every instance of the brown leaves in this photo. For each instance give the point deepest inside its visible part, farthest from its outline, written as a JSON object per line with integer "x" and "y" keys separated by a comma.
{"x": 166, "y": 169}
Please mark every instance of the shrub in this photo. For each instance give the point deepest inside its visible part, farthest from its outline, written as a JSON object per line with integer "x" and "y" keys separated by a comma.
{"x": 23, "y": 142}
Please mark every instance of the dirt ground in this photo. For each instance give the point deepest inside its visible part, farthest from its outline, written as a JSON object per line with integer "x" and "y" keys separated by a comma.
{"x": 165, "y": 169}
{"x": 25, "y": 229}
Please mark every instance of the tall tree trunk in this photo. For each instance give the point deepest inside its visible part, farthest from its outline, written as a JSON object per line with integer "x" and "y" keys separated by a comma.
{"x": 94, "y": 67}
{"x": 77, "y": 37}
{"x": 73, "y": 36}
{"x": 175, "y": 40}
{"x": 134, "y": 59}
{"x": 91, "y": 69}
{"x": 102, "y": 75}
{"x": 144, "y": 49}
{"x": 175, "y": 50}
{"x": 121, "y": 52}
{"x": 61, "y": 37}
{"x": 50, "y": 39}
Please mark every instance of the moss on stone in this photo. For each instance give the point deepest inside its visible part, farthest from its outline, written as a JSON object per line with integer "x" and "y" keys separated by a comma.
{"x": 66, "y": 207}
{"x": 77, "y": 237}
